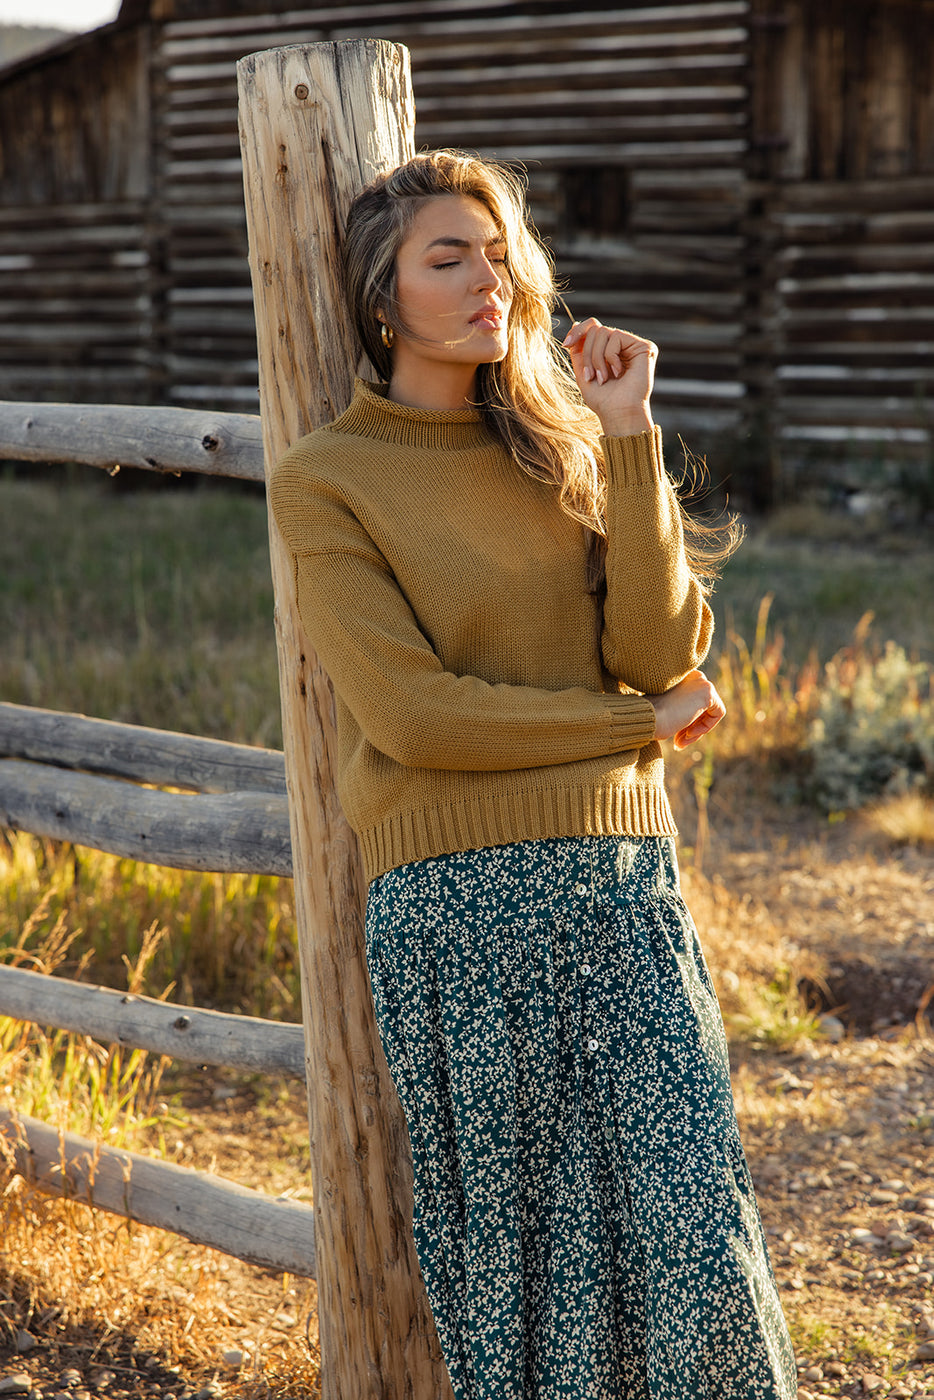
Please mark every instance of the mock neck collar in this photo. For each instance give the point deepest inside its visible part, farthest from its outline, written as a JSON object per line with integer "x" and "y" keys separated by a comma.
{"x": 371, "y": 414}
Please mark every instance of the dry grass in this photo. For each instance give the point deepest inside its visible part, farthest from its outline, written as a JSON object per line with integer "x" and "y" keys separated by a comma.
{"x": 907, "y": 820}
{"x": 138, "y": 1302}
{"x": 115, "y": 606}
{"x": 226, "y": 941}
{"x": 148, "y": 1306}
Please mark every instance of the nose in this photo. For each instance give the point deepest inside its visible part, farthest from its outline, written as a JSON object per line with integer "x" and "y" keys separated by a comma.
{"x": 488, "y": 277}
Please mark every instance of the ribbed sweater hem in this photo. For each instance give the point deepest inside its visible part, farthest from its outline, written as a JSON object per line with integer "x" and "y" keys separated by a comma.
{"x": 403, "y": 837}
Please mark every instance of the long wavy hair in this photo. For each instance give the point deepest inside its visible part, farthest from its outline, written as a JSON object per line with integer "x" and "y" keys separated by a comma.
{"x": 530, "y": 399}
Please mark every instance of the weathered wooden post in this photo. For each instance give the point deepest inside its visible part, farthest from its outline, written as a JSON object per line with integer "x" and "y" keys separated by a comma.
{"x": 316, "y": 123}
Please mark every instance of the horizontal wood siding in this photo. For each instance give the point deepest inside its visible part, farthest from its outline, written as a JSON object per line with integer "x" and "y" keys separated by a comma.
{"x": 207, "y": 329}
{"x": 75, "y": 308}
{"x": 631, "y": 122}
{"x": 853, "y": 318}
{"x": 842, "y": 160}
{"x": 651, "y": 97}
{"x": 748, "y": 182}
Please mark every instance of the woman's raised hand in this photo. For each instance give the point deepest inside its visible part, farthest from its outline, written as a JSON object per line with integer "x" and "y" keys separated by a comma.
{"x": 615, "y": 372}
{"x": 688, "y": 710}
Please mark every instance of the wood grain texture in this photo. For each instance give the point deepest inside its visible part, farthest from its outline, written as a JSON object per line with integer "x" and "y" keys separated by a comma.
{"x": 183, "y": 1032}
{"x": 137, "y": 752}
{"x": 123, "y": 270}
{"x": 231, "y": 832}
{"x": 317, "y": 122}
{"x": 154, "y": 439}
{"x": 204, "y": 1208}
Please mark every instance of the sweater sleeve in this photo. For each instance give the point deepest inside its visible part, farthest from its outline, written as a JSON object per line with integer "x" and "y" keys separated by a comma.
{"x": 387, "y": 674}
{"x": 657, "y": 623}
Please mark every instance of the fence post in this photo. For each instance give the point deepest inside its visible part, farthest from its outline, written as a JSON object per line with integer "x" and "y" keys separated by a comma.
{"x": 316, "y": 123}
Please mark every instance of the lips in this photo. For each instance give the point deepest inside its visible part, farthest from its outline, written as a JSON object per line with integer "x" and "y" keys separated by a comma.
{"x": 490, "y": 317}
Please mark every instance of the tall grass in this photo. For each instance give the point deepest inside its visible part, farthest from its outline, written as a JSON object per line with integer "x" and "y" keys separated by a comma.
{"x": 825, "y": 571}
{"x": 156, "y": 608}
{"x": 68, "y": 1080}
{"x": 148, "y": 607}
{"x": 225, "y": 940}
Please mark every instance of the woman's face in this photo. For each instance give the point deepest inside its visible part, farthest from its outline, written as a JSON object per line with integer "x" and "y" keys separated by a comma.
{"x": 452, "y": 289}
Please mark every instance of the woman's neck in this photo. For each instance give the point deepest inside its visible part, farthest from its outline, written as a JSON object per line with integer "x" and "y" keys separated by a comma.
{"x": 446, "y": 387}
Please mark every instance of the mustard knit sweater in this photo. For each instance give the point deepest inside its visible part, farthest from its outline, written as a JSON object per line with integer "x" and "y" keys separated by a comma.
{"x": 480, "y": 692}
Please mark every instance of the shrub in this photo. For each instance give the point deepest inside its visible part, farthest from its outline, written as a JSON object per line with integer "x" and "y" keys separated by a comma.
{"x": 873, "y": 735}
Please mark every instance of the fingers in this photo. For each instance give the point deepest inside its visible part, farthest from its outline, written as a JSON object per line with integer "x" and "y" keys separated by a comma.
{"x": 702, "y": 724}
{"x": 600, "y": 353}
{"x": 696, "y": 730}
{"x": 689, "y": 710}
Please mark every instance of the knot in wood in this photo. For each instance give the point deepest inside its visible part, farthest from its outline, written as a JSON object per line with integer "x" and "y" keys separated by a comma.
{"x": 210, "y": 443}
{"x": 181, "y": 1023}
{"x": 301, "y": 91}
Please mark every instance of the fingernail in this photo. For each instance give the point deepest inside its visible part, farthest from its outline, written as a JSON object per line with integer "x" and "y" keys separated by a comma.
{"x": 601, "y": 377}
{"x": 588, "y": 374}
{"x": 567, "y": 338}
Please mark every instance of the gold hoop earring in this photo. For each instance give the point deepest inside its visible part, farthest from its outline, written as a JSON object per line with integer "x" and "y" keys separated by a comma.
{"x": 387, "y": 334}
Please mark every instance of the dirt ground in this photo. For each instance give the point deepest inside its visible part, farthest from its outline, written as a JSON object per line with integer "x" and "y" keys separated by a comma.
{"x": 839, "y": 1130}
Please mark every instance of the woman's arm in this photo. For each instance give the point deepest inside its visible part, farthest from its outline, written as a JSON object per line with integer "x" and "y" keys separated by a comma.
{"x": 384, "y": 668}
{"x": 657, "y": 624}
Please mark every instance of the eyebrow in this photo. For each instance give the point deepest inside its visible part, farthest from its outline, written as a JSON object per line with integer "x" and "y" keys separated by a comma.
{"x": 462, "y": 242}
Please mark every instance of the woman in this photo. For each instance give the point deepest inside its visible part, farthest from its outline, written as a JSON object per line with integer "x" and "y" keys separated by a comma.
{"x": 491, "y": 565}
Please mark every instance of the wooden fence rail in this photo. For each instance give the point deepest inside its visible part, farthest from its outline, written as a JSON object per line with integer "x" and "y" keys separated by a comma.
{"x": 138, "y": 753}
{"x": 274, "y": 1234}
{"x": 73, "y": 778}
{"x": 233, "y": 832}
{"x": 162, "y": 1027}
{"x": 155, "y": 439}
{"x": 237, "y": 821}
{"x": 378, "y": 1337}
{"x": 70, "y": 777}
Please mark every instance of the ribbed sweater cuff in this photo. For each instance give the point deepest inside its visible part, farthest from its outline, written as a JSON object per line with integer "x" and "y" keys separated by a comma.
{"x": 633, "y": 725}
{"x": 635, "y": 460}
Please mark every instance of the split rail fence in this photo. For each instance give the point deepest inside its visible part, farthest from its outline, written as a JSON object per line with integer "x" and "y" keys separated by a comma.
{"x": 101, "y": 784}
{"x": 317, "y": 122}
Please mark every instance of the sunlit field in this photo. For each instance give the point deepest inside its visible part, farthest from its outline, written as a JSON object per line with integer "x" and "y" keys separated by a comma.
{"x": 154, "y": 606}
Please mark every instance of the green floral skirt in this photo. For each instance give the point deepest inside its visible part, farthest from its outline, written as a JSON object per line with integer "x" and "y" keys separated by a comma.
{"x": 584, "y": 1215}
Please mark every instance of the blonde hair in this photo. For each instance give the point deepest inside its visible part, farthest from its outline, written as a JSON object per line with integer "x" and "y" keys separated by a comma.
{"x": 530, "y": 399}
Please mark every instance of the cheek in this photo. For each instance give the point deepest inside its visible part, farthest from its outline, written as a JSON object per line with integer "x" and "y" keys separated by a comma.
{"x": 416, "y": 291}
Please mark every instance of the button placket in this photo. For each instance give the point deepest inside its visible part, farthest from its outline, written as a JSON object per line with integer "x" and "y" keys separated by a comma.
{"x": 590, "y": 1041}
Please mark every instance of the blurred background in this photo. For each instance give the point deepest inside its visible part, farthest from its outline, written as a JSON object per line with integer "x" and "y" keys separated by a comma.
{"x": 748, "y": 182}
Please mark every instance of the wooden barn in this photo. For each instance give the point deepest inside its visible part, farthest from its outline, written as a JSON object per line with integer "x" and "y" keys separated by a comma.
{"x": 749, "y": 182}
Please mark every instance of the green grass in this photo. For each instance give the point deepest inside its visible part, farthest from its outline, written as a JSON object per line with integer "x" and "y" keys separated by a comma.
{"x": 775, "y": 1015}
{"x": 155, "y": 607}
{"x": 148, "y": 607}
{"x": 825, "y": 573}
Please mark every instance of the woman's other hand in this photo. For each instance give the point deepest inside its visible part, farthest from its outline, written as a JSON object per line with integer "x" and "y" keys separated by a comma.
{"x": 615, "y": 372}
{"x": 687, "y": 711}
